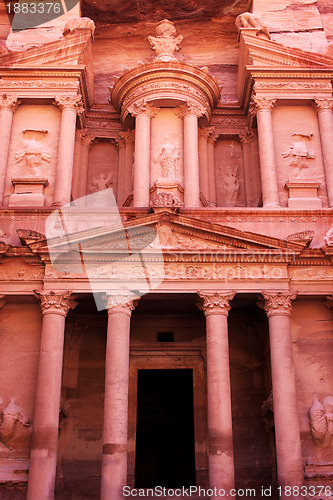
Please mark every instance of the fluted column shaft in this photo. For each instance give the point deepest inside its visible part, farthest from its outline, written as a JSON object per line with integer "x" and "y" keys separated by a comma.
{"x": 221, "y": 457}
{"x": 211, "y": 168}
{"x": 8, "y": 105}
{"x": 287, "y": 434}
{"x": 114, "y": 460}
{"x": 69, "y": 106}
{"x": 325, "y": 118}
{"x": 143, "y": 113}
{"x": 43, "y": 457}
{"x": 269, "y": 180}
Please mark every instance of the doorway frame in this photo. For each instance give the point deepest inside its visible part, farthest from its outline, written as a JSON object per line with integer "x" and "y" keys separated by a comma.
{"x": 155, "y": 356}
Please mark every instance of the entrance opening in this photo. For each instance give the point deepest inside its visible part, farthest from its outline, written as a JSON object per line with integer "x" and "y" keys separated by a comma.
{"x": 165, "y": 429}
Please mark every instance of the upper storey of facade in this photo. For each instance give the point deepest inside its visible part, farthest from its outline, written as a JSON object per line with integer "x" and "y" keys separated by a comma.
{"x": 227, "y": 113}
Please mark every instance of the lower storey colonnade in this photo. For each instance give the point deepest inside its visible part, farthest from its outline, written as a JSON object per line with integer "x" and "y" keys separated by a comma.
{"x": 117, "y": 438}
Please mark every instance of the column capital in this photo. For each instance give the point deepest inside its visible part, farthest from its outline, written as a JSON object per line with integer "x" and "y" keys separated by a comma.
{"x": 9, "y": 102}
{"x": 262, "y": 103}
{"x": 216, "y": 303}
{"x": 189, "y": 108}
{"x": 55, "y": 302}
{"x": 322, "y": 104}
{"x": 143, "y": 108}
{"x": 68, "y": 102}
{"x": 128, "y": 136}
{"x": 87, "y": 140}
{"x": 204, "y": 133}
{"x": 246, "y": 138}
{"x": 278, "y": 303}
{"x": 328, "y": 303}
{"x": 120, "y": 142}
{"x": 121, "y": 304}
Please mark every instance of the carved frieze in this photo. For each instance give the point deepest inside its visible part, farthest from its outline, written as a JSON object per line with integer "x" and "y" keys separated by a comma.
{"x": 166, "y": 200}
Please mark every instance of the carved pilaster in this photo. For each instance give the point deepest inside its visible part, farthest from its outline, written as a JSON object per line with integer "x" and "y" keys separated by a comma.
{"x": 121, "y": 304}
{"x": 189, "y": 108}
{"x": 68, "y": 102}
{"x": 323, "y": 104}
{"x": 143, "y": 108}
{"x": 58, "y": 302}
{"x": 278, "y": 303}
{"x": 216, "y": 303}
{"x": 262, "y": 103}
{"x": 204, "y": 133}
{"x": 246, "y": 138}
{"x": 9, "y": 102}
{"x": 87, "y": 140}
{"x": 213, "y": 137}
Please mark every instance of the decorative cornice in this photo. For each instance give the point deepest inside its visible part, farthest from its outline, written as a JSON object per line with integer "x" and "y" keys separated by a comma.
{"x": 68, "y": 102}
{"x": 143, "y": 108}
{"x": 323, "y": 104}
{"x": 216, "y": 303}
{"x": 278, "y": 303}
{"x": 9, "y": 102}
{"x": 263, "y": 103}
{"x": 58, "y": 302}
{"x": 121, "y": 304}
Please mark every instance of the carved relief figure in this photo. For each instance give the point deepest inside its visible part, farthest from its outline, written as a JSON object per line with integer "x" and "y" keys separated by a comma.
{"x": 33, "y": 153}
{"x": 321, "y": 421}
{"x": 329, "y": 237}
{"x": 231, "y": 187}
{"x": 168, "y": 160}
{"x": 100, "y": 182}
{"x": 10, "y": 416}
{"x": 298, "y": 153}
{"x": 248, "y": 20}
{"x": 165, "y": 43}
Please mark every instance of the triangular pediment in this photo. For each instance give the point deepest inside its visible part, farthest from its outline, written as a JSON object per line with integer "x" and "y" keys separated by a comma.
{"x": 164, "y": 231}
{"x": 259, "y": 52}
{"x": 68, "y": 51}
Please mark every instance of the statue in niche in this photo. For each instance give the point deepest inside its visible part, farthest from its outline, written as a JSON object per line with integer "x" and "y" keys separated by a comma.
{"x": 231, "y": 187}
{"x": 168, "y": 158}
{"x": 321, "y": 421}
{"x": 33, "y": 153}
{"x": 166, "y": 44}
{"x": 298, "y": 152}
{"x": 248, "y": 20}
{"x": 10, "y": 417}
{"x": 100, "y": 182}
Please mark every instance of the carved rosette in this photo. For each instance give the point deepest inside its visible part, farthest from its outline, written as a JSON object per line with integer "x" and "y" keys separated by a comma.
{"x": 216, "y": 303}
{"x": 189, "y": 108}
{"x": 9, "y": 102}
{"x": 58, "y": 302}
{"x": 69, "y": 102}
{"x": 121, "y": 304}
{"x": 278, "y": 303}
{"x": 264, "y": 103}
{"x": 143, "y": 108}
{"x": 323, "y": 104}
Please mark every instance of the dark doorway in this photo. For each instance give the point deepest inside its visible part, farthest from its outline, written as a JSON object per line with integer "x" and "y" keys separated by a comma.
{"x": 165, "y": 429}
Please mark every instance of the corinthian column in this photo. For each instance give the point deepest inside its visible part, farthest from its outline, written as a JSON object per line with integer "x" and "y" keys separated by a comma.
{"x": 143, "y": 113}
{"x": 190, "y": 114}
{"x": 211, "y": 166}
{"x": 43, "y": 457}
{"x": 204, "y": 133}
{"x": 287, "y": 435}
{"x": 114, "y": 460}
{"x": 269, "y": 181}
{"x": 221, "y": 456}
{"x": 325, "y": 118}
{"x": 69, "y": 106}
{"x": 8, "y": 105}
